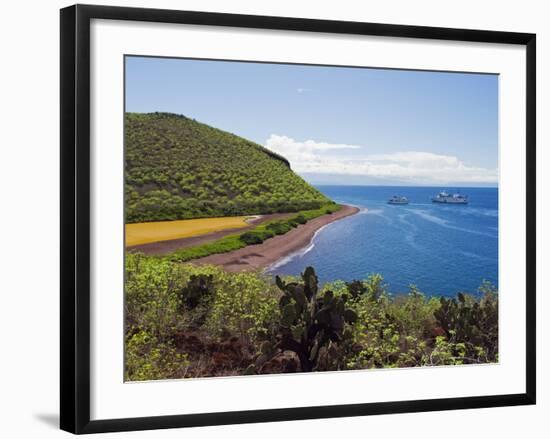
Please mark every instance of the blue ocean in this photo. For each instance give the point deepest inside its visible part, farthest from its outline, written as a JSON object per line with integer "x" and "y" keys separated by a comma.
{"x": 442, "y": 249}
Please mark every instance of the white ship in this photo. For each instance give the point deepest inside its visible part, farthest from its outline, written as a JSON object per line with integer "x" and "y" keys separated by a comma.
{"x": 445, "y": 197}
{"x": 398, "y": 200}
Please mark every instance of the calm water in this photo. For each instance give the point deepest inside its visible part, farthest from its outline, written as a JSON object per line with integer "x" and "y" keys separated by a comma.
{"x": 440, "y": 248}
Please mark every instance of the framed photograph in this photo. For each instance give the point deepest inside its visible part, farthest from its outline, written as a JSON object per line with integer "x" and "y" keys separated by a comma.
{"x": 268, "y": 218}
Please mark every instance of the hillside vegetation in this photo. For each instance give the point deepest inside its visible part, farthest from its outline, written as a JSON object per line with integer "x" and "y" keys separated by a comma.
{"x": 178, "y": 168}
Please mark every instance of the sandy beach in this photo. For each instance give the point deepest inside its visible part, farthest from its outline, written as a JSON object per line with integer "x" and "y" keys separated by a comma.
{"x": 259, "y": 256}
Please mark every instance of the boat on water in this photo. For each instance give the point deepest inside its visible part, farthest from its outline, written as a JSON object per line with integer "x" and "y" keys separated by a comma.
{"x": 396, "y": 199}
{"x": 447, "y": 198}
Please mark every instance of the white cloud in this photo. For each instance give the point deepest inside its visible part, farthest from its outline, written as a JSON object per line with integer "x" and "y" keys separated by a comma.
{"x": 303, "y": 90}
{"x": 301, "y": 153}
{"x": 414, "y": 166}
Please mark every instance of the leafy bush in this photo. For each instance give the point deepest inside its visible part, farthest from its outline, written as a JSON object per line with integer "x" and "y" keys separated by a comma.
{"x": 165, "y": 300}
{"x": 251, "y": 238}
{"x": 279, "y": 227}
{"x": 149, "y": 359}
{"x": 223, "y": 245}
{"x": 300, "y": 219}
{"x": 406, "y": 331}
{"x": 199, "y": 289}
{"x": 152, "y": 290}
{"x": 256, "y": 236}
{"x": 245, "y": 305}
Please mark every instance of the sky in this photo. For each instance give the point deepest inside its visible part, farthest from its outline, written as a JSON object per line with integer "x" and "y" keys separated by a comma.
{"x": 337, "y": 125}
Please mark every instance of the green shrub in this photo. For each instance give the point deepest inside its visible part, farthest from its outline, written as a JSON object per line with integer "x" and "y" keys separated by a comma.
{"x": 279, "y": 227}
{"x": 413, "y": 330}
{"x": 152, "y": 289}
{"x": 266, "y": 234}
{"x": 148, "y": 359}
{"x": 245, "y": 304}
{"x": 164, "y": 300}
{"x": 252, "y": 238}
{"x": 223, "y": 245}
{"x": 198, "y": 289}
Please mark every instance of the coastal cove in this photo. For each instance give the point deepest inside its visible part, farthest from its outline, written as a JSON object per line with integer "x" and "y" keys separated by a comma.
{"x": 442, "y": 249}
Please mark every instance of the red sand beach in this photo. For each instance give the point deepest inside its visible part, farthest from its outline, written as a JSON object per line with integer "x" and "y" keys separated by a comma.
{"x": 259, "y": 256}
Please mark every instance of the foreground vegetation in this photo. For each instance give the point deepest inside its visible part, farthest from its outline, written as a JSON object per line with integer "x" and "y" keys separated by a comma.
{"x": 178, "y": 168}
{"x": 257, "y": 235}
{"x": 185, "y": 321}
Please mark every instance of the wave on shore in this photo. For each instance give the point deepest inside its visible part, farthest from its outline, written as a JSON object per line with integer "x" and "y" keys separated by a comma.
{"x": 295, "y": 254}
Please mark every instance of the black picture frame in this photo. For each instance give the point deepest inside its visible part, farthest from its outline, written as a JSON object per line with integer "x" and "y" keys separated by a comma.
{"x": 75, "y": 217}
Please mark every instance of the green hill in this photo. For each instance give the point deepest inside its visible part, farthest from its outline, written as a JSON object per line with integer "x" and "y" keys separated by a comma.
{"x": 178, "y": 168}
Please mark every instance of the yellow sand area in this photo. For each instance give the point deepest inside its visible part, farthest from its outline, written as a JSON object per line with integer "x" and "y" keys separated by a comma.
{"x": 144, "y": 233}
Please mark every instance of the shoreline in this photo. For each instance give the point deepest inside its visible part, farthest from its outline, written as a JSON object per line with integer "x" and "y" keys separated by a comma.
{"x": 300, "y": 252}
{"x": 262, "y": 256}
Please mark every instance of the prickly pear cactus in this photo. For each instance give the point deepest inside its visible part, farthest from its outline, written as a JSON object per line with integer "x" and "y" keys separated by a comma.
{"x": 459, "y": 318}
{"x": 309, "y": 323}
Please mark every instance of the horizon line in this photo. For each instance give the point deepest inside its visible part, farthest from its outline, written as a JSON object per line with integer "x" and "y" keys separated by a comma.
{"x": 402, "y": 185}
